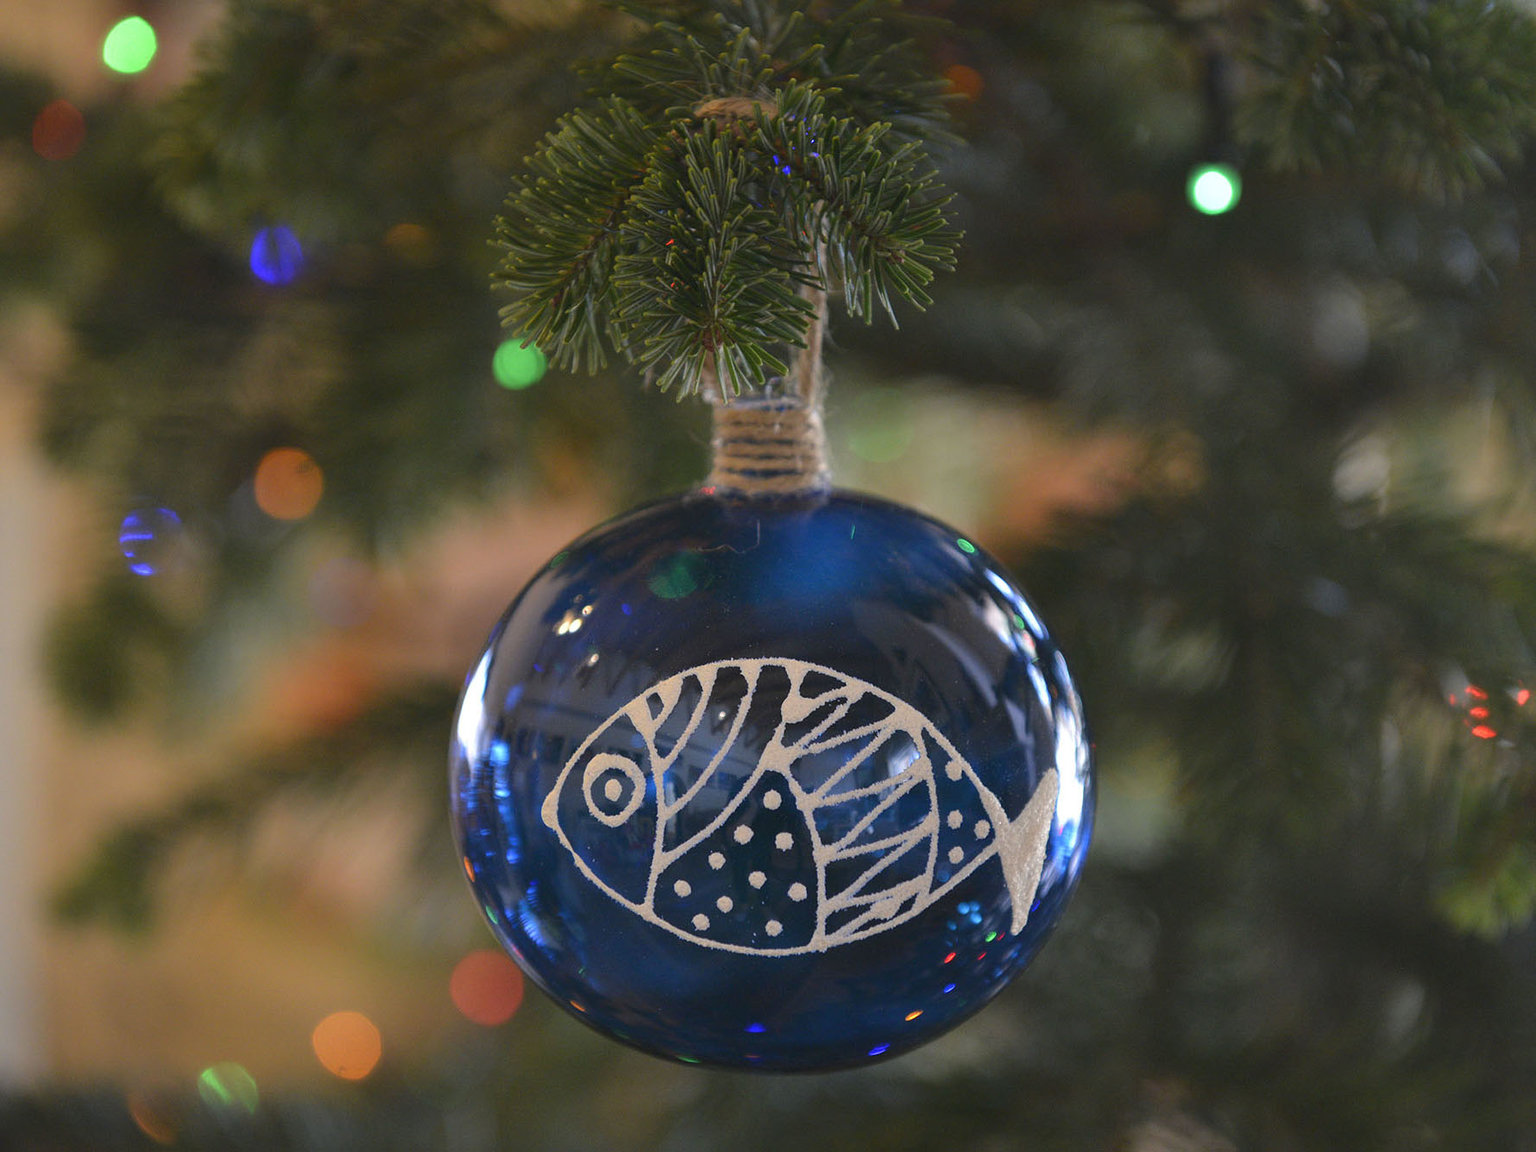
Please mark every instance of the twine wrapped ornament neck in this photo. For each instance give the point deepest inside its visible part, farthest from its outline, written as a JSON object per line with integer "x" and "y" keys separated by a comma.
{"x": 774, "y": 443}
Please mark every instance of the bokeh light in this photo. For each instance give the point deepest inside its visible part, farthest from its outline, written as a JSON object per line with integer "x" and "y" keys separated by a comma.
{"x": 155, "y": 1117}
{"x": 881, "y": 425}
{"x": 129, "y": 46}
{"x": 58, "y": 131}
{"x": 288, "y": 484}
{"x": 342, "y": 592}
{"x": 1214, "y": 188}
{"x": 516, "y": 365}
{"x": 411, "y": 244}
{"x": 227, "y": 1085}
{"x": 965, "y": 80}
{"x": 347, "y": 1045}
{"x": 145, "y": 537}
{"x": 276, "y": 255}
{"x": 487, "y": 987}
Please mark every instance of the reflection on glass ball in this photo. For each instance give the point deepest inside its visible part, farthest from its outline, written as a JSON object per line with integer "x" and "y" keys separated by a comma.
{"x": 784, "y": 783}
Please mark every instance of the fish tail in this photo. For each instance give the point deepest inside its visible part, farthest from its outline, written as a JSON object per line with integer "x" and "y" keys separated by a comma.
{"x": 1021, "y": 847}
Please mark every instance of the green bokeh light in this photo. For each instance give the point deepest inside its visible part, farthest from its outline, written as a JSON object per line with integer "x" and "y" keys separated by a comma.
{"x": 130, "y": 46}
{"x": 1214, "y": 188}
{"x": 882, "y": 426}
{"x": 680, "y": 575}
{"x": 516, "y": 366}
{"x": 227, "y": 1085}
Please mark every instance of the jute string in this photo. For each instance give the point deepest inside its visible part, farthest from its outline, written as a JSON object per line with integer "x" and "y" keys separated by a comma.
{"x": 775, "y": 445}
{"x": 769, "y": 447}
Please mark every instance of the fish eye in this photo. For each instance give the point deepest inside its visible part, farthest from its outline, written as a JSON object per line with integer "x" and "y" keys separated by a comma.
{"x": 614, "y": 787}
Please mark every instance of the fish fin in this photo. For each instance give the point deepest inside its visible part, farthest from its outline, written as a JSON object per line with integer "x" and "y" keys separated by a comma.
{"x": 1021, "y": 847}
{"x": 550, "y": 809}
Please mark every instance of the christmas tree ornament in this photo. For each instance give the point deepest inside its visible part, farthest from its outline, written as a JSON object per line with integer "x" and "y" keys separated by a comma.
{"x": 765, "y": 775}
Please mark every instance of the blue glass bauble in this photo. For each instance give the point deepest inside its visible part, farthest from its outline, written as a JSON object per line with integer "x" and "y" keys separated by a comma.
{"x": 788, "y": 783}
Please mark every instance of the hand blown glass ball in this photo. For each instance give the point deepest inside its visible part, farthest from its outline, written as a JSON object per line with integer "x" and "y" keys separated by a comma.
{"x": 780, "y": 783}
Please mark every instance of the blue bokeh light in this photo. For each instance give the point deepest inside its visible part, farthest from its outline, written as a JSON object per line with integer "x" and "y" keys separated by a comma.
{"x": 276, "y": 255}
{"x": 144, "y": 536}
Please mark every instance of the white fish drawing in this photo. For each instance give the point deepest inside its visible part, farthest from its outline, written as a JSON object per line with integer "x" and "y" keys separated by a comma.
{"x": 855, "y": 815}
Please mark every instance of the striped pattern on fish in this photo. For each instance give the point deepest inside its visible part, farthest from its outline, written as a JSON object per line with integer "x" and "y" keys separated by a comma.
{"x": 857, "y": 814}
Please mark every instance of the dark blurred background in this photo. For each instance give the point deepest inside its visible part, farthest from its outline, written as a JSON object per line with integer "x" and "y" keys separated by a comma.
{"x": 1262, "y": 450}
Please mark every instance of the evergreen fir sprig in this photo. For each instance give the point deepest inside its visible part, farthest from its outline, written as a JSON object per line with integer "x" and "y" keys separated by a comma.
{"x": 680, "y": 220}
{"x": 705, "y": 282}
{"x": 118, "y": 883}
{"x": 874, "y": 236}
{"x": 866, "y": 50}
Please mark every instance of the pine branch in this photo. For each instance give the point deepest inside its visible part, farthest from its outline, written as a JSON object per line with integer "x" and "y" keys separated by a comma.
{"x": 1438, "y": 97}
{"x": 316, "y": 115}
{"x": 677, "y": 220}
{"x": 559, "y": 230}
{"x": 876, "y": 242}
{"x": 704, "y": 276}
{"x": 864, "y": 51}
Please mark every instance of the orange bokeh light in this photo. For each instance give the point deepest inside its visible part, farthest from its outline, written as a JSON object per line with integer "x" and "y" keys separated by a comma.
{"x": 487, "y": 987}
{"x": 347, "y": 1044}
{"x": 288, "y": 484}
{"x": 154, "y": 1117}
{"x": 411, "y": 243}
{"x": 965, "y": 80}
{"x": 58, "y": 131}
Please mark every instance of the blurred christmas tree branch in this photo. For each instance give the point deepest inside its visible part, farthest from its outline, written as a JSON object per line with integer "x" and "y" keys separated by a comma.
{"x": 183, "y": 380}
{"x": 118, "y": 884}
{"x": 732, "y": 160}
{"x": 1303, "y": 635}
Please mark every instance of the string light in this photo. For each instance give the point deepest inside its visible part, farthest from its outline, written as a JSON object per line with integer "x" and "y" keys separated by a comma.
{"x": 347, "y": 1045}
{"x": 1214, "y": 188}
{"x": 227, "y": 1085}
{"x": 411, "y": 244}
{"x": 58, "y": 131}
{"x": 487, "y": 987}
{"x": 964, "y": 80}
{"x": 516, "y": 366}
{"x": 153, "y": 1117}
{"x": 130, "y": 46}
{"x": 288, "y": 484}
{"x": 145, "y": 536}
{"x": 276, "y": 255}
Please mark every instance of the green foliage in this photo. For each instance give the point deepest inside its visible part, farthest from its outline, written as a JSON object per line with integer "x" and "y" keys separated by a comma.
{"x": 1438, "y": 96}
{"x": 1322, "y": 940}
{"x": 118, "y": 883}
{"x": 108, "y": 653}
{"x": 311, "y": 114}
{"x": 680, "y": 231}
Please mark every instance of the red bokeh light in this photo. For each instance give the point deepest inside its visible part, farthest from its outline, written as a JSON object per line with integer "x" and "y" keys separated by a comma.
{"x": 58, "y": 131}
{"x": 487, "y": 987}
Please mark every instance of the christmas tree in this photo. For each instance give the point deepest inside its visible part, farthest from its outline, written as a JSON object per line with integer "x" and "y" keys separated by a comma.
{"x": 1233, "y": 361}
